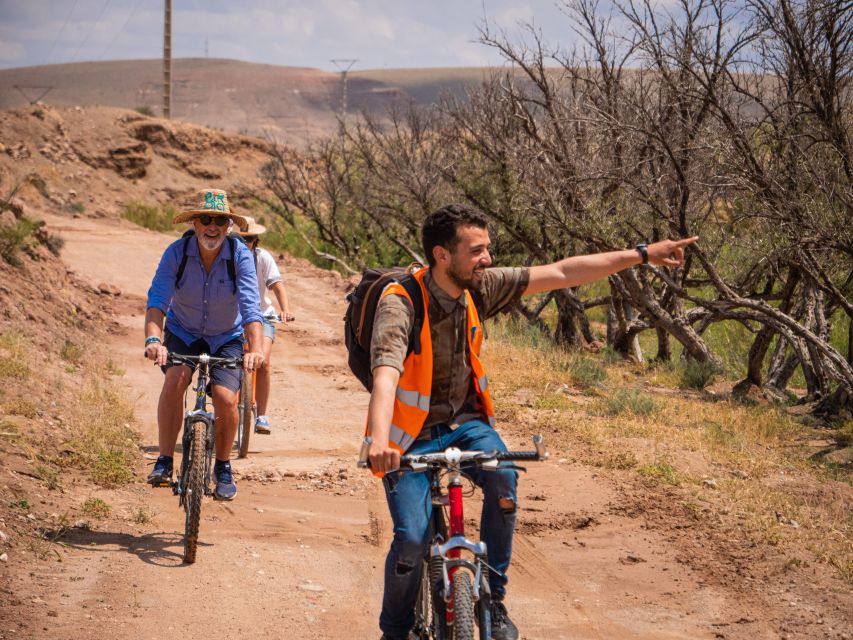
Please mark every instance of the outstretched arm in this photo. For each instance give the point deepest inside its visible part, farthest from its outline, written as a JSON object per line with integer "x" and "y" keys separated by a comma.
{"x": 578, "y": 270}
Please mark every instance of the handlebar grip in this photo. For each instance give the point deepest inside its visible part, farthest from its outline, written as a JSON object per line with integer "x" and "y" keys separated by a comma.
{"x": 518, "y": 455}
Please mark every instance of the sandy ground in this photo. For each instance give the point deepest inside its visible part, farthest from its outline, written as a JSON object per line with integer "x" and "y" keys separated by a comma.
{"x": 300, "y": 552}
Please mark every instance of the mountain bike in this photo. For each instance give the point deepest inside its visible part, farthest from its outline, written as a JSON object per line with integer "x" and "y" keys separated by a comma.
{"x": 247, "y": 408}
{"x": 454, "y": 593}
{"x": 193, "y": 481}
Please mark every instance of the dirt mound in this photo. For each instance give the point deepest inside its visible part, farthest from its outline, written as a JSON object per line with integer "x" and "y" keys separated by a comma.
{"x": 95, "y": 160}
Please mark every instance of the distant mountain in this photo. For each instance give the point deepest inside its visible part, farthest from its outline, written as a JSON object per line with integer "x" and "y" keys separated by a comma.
{"x": 289, "y": 104}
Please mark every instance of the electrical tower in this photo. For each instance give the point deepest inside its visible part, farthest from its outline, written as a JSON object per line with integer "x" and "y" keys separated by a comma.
{"x": 344, "y": 65}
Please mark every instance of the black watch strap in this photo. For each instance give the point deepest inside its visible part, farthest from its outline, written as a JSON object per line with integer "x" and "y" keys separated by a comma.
{"x": 644, "y": 252}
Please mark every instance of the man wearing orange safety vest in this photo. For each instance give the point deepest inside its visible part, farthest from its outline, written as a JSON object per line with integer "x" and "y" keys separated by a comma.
{"x": 438, "y": 398}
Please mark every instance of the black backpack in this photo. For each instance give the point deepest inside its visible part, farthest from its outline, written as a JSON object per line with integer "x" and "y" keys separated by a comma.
{"x": 361, "y": 309}
{"x": 233, "y": 238}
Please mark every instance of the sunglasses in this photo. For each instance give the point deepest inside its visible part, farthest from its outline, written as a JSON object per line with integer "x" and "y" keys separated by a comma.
{"x": 220, "y": 221}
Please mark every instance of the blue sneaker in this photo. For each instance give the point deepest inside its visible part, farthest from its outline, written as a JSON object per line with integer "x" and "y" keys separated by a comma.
{"x": 262, "y": 425}
{"x": 226, "y": 489}
{"x": 161, "y": 476}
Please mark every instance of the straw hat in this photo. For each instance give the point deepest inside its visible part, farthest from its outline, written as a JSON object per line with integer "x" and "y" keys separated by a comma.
{"x": 254, "y": 229}
{"x": 212, "y": 202}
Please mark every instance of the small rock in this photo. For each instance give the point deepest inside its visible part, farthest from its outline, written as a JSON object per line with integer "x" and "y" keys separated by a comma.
{"x": 109, "y": 289}
{"x": 52, "y": 614}
{"x": 82, "y": 524}
{"x": 710, "y": 483}
{"x": 3, "y": 537}
{"x": 4, "y": 557}
{"x": 17, "y": 206}
{"x": 310, "y": 586}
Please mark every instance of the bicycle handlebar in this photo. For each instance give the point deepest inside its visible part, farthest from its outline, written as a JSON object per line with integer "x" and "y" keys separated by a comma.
{"x": 276, "y": 317}
{"x": 453, "y": 457}
{"x": 233, "y": 362}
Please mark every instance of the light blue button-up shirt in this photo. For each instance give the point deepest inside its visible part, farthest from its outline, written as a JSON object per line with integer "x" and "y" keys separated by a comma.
{"x": 206, "y": 306}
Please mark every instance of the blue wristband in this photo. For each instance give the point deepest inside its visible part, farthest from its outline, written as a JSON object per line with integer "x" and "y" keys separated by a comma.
{"x": 152, "y": 340}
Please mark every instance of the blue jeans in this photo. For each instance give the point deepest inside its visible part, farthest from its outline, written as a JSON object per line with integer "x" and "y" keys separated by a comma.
{"x": 408, "y": 496}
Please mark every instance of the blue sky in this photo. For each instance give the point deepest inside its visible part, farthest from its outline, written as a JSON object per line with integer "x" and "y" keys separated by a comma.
{"x": 309, "y": 33}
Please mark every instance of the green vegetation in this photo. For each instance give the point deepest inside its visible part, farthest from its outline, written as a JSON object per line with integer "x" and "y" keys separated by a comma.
{"x": 628, "y": 401}
{"x": 96, "y": 508}
{"x": 15, "y": 239}
{"x": 13, "y": 363}
{"x": 694, "y": 374}
{"x": 49, "y": 475}
{"x": 145, "y": 110}
{"x": 104, "y": 443}
{"x": 154, "y": 217}
{"x": 660, "y": 470}
{"x": 70, "y": 352}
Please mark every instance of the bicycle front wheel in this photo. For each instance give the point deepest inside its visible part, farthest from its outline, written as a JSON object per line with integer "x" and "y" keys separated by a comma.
{"x": 245, "y": 414}
{"x": 462, "y": 599}
{"x": 194, "y": 488}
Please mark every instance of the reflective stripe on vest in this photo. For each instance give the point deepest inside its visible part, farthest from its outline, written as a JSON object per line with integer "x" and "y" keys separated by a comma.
{"x": 412, "y": 400}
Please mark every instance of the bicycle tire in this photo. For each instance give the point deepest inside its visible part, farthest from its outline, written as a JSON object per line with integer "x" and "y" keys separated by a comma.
{"x": 462, "y": 597}
{"x": 195, "y": 488}
{"x": 245, "y": 415}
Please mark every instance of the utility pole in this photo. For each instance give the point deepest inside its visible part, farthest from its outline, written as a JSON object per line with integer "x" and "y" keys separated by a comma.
{"x": 344, "y": 65}
{"x": 167, "y": 61}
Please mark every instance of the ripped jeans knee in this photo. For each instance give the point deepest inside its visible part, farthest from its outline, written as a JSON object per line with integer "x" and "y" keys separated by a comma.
{"x": 508, "y": 506}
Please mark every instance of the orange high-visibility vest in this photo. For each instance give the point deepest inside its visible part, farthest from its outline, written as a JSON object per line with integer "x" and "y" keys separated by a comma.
{"x": 412, "y": 402}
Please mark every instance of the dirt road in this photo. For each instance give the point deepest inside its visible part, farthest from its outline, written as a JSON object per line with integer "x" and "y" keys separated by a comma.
{"x": 300, "y": 552}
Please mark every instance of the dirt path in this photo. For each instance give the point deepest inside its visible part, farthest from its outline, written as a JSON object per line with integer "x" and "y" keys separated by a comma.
{"x": 300, "y": 552}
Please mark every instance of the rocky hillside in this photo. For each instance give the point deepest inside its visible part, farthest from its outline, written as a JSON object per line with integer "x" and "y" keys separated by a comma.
{"x": 93, "y": 161}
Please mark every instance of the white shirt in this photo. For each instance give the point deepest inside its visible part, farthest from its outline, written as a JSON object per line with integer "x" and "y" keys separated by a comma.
{"x": 268, "y": 275}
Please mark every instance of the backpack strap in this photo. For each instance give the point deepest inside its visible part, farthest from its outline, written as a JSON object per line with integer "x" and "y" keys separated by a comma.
{"x": 229, "y": 264}
{"x": 180, "y": 273}
{"x": 413, "y": 288}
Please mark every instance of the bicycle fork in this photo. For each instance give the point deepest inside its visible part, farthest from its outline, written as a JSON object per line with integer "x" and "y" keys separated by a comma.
{"x": 447, "y": 558}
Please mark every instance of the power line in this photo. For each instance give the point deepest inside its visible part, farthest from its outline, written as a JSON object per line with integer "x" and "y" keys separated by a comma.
{"x": 120, "y": 31}
{"x": 91, "y": 29}
{"x": 61, "y": 31}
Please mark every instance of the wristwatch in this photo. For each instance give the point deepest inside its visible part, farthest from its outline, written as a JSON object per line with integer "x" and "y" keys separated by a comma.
{"x": 643, "y": 248}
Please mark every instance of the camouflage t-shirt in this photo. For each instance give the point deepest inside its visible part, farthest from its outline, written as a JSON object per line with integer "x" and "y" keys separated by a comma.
{"x": 453, "y": 398}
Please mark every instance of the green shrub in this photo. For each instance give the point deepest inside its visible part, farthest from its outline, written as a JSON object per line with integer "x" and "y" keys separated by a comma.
{"x": 587, "y": 372}
{"x": 156, "y": 218}
{"x": 697, "y": 375}
{"x": 661, "y": 471}
{"x": 631, "y": 401}
{"x": 70, "y": 352}
{"x": 14, "y": 239}
{"x": 96, "y": 508}
{"x": 49, "y": 475}
{"x": 112, "y": 467}
{"x": 145, "y": 110}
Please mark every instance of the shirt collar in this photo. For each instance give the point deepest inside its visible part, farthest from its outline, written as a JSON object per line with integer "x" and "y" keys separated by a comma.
{"x": 444, "y": 300}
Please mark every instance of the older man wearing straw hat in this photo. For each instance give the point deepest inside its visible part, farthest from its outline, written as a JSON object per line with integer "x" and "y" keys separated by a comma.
{"x": 205, "y": 290}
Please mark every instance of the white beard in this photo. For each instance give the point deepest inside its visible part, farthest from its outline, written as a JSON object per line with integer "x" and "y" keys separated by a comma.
{"x": 210, "y": 244}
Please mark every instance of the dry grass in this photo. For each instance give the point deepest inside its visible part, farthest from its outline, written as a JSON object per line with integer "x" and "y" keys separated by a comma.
{"x": 749, "y": 463}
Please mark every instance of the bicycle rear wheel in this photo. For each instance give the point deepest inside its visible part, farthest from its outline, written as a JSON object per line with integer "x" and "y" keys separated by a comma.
{"x": 462, "y": 598}
{"x": 194, "y": 488}
{"x": 245, "y": 414}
